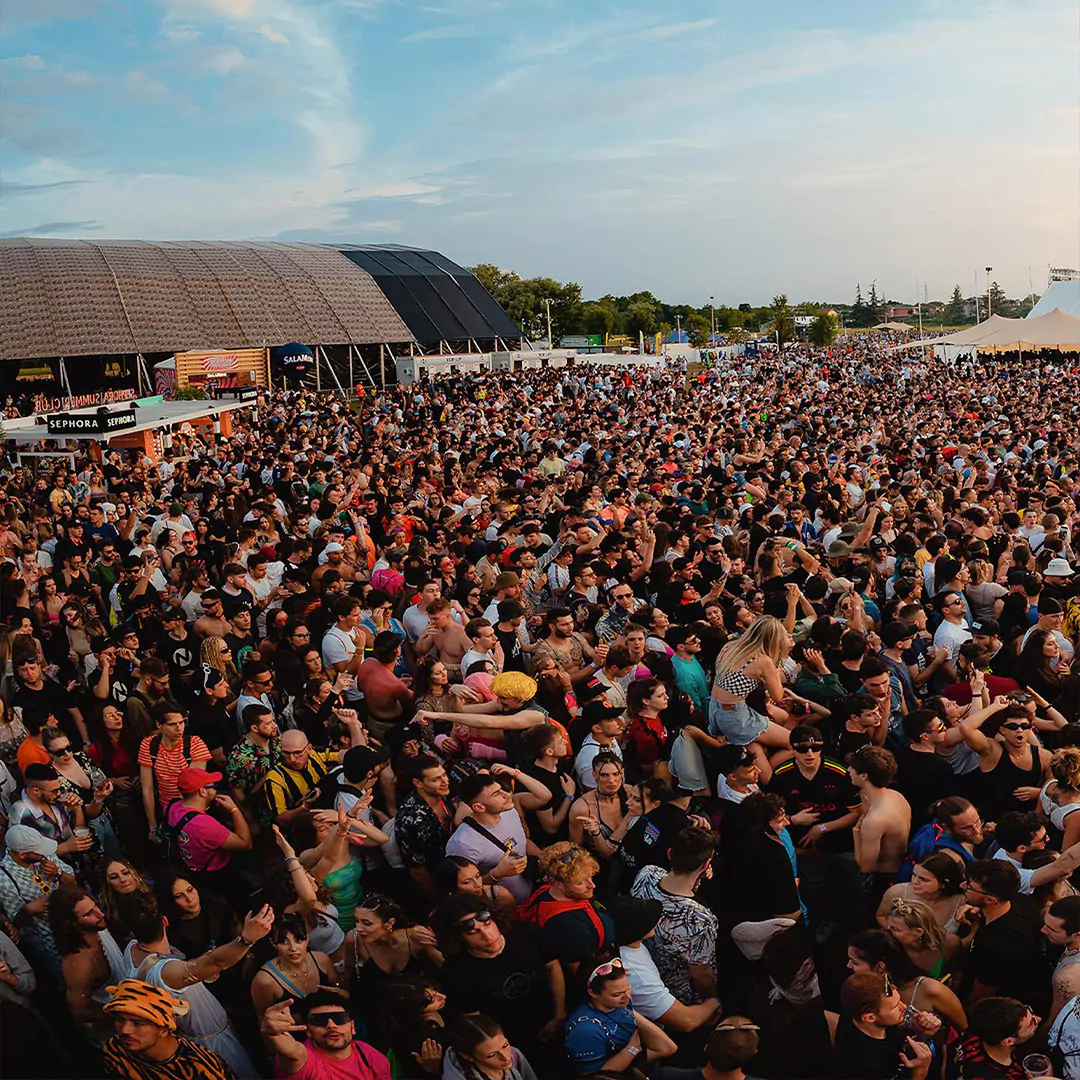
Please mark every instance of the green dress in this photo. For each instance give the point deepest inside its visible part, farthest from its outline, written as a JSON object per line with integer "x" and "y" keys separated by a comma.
{"x": 346, "y": 891}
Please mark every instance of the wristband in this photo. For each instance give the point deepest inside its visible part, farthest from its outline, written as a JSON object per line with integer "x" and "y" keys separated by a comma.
{"x": 633, "y": 1051}
{"x": 822, "y": 829}
{"x": 241, "y": 940}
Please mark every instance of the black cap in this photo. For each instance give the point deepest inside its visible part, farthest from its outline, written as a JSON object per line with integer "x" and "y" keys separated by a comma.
{"x": 634, "y": 917}
{"x": 359, "y": 761}
{"x": 729, "y": 758}
{"x": 894, "y": 632}
{"x": 598, "y": 710}
{"x": 989, "y": 627}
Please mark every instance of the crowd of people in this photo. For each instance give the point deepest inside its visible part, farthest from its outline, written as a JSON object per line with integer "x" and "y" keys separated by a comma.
{"x": 576, "y": 722}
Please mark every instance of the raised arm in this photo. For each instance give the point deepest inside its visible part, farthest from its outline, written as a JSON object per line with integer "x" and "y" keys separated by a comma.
{"x": 277, "y": 1028}
{"x": 180, "y": 973}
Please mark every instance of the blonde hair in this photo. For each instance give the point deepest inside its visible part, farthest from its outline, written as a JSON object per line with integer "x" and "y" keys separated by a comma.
{"x": 919, "y": 916}
{"x": 210, "y": 655}
{"x": 514, "y": 684}
{"x": 767, "y": 635}
{"x": 566, "y": 862}
{"x": 1065, "y": 767}
{"x": 981, "y": 571}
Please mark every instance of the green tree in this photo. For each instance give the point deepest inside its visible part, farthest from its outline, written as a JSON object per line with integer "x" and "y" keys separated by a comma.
{"x": 697, "y": 327}
{"x": 860, "y": 313}
{"x": 954, "y": 310}
{"x": 874, "y": 304}
{"x": 783, "y": 320}
{"x": 824, "y": 328}
{"x": 1000, "y": 304}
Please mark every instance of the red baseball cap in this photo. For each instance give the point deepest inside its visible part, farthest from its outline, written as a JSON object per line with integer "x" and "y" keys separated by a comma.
{"x": 190, "y": 780}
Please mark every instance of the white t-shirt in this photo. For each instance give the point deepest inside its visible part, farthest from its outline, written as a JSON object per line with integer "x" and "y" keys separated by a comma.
{"x": 1064, "y": 1035}
{"x": 952, "y": 637}
{"x": 650, "y": 996}
{"x": 478, "y": 849}
{"x": 472, "y": 657}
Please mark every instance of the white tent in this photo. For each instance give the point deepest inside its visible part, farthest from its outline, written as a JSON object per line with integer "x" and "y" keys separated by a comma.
{"x": 1054, "y": 330}
{"x": 1059, "y": 294}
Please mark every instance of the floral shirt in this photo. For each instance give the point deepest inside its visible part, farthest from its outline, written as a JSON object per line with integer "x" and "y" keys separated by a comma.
{"x": 421, "y": 836}
{"x": 248, "y": 764}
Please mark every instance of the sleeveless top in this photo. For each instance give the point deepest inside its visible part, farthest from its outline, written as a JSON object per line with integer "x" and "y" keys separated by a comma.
{"x": 1055, "y": 813}
{"x": 287, "y": 985}
{"x": 1006, "y": 776}
{"x": 736, "y": 683}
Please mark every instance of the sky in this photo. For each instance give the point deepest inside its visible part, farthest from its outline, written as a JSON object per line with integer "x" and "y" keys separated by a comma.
{"x": 695, "y": 148}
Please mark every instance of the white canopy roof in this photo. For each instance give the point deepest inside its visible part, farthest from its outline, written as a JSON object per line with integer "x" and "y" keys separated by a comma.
{"x": 1055, "y": 330}
{"x": 1059, "y": 294}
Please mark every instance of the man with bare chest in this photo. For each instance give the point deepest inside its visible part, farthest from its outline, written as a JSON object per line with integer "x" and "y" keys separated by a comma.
{"x": 881, "y": 835}
{"x": 443, "y": 636}
{"x": 90, "y": 958}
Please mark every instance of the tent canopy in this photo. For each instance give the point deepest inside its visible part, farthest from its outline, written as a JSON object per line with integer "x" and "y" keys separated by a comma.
{"x": 1055, "y": 330}
{"x": 891, "y": 326}
{"x": 1059, "y": 294}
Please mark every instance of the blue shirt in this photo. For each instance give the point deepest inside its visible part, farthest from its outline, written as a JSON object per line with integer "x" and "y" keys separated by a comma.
{"x": 690, "y": 678}
{"x": 593, "y": 1036}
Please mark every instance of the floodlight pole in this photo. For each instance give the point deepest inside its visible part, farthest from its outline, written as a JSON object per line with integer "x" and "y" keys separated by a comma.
{"x": 989, "y": 302}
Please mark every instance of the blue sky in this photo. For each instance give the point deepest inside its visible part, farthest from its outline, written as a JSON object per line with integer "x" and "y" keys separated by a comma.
{"x": 694, "y": 148}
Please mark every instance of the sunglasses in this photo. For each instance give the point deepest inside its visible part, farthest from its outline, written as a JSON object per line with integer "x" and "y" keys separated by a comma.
{"x": 60, "y": 751}
{"x": 469, "y": 925}
{"x": 807, "y": 747}
{"x": 613, "y": 967}
{"x": 1016, "y": 727}
{"x": 321, "y": 1020}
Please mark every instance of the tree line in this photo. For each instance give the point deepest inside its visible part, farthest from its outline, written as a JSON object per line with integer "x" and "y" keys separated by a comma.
{"x": 642, "y": 313}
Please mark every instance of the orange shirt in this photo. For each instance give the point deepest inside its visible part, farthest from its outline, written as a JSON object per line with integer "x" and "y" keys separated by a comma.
{"x": 31, "y": 754}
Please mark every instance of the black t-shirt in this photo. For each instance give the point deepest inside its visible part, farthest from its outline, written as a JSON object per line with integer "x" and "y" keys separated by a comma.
{"x": 242, "y": 647}
{"x": 51, "y": 698}
{"x": 550, "y": 780}
{"x": 183, "y": 659}
{"x": 761, "y": 883}
{"x": 514, "y": 657}
{"x": 231, "y": 604}
{"x": 1006, "y": 956}
{"x": 829, "y": 792}
{"x": 923, "y": 779}
{"x": 850, "y": 741}
{"x": 214, "y": 724}
{"x": 511, "y": 988}
{"x": 860, "y": 1057}
{"x": 648, "y": 841}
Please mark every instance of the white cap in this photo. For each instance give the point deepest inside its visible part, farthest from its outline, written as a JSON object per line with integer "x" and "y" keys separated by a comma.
{"x": 1058, "y": 568}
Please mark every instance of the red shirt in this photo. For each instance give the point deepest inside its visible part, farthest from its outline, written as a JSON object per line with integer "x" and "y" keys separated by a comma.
{"x": 645, "y": 738}
{"x": 170, "y": 763}
{"x": 997, "y": 684}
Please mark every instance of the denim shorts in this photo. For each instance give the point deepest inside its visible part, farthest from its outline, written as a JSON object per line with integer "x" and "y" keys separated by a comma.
{"x": 736, "y": 721}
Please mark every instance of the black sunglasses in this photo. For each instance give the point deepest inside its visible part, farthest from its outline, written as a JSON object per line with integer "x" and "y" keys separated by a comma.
{"x": 469, "y": 925}
{"x": 806, "y": 748}
{"x": 1017, "y": 727}
{"x": 340, "y": 1018}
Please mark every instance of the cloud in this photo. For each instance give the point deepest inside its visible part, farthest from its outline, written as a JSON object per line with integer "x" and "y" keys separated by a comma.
{"x": 670, "y": 30}
{"x": 440, "y": 33}
{"x": 380, "y": 226}
{"x": 53, "y": 228}
{"x": 29, "y": 14}
{"x": 276, "y": 36}
{"x": 140, "y": 89}
{"x": 222, "y": 59}
{"x": 12, "y": 189}
{"x": 181, "y": 33}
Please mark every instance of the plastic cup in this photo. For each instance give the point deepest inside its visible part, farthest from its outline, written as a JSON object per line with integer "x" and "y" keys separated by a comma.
{"x": 1036, "y": 1065}
{"x": 82, "y": 831}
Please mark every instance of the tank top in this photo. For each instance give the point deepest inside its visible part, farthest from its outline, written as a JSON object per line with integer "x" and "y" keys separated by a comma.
{"x": 736, "y": 683}
{"x": 1005, "y": 777}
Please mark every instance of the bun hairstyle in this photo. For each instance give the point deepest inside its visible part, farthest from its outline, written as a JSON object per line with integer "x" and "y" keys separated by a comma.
{"x": 1065, "y": 767}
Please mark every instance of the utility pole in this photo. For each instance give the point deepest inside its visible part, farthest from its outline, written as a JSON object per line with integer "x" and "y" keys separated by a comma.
{"x": 989, "y": 302}
{"x": 678, "y": 328}
{"x": 712, "y": 321}
{"x": 551, "y": 340}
